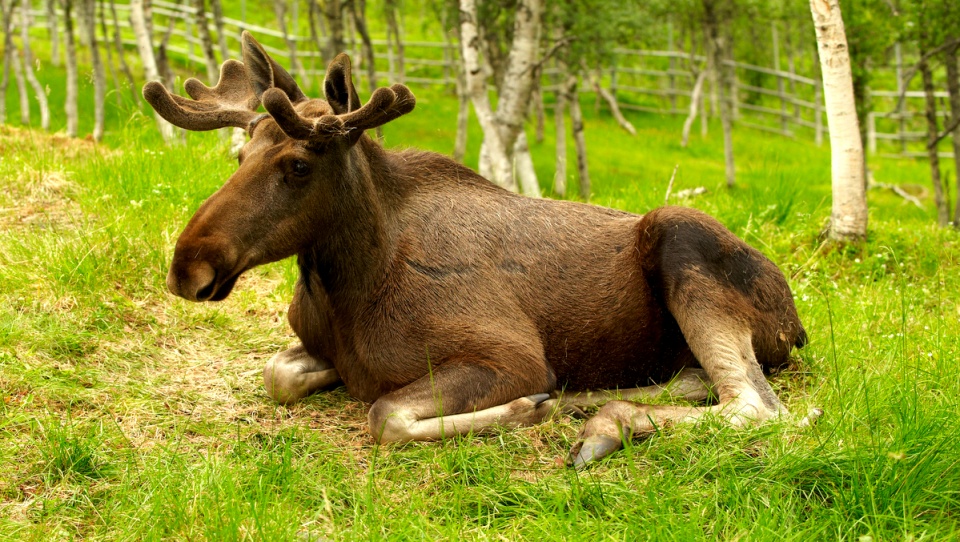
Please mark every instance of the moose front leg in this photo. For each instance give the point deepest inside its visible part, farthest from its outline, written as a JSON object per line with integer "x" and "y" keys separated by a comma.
{"x": 461, "y": 397}
{"x": 294, "y": 374}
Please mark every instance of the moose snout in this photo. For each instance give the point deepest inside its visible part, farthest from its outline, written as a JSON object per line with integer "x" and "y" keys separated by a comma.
{"x": 194, "y": 281}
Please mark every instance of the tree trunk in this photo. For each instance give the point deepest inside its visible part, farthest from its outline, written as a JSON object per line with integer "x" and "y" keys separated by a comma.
{"x": 38, "y": 89}
{"x": 717, "y": 16}
{"x": 118, "y": 45}
{"x": 560, "y": 127}
{"x": 611, "y": 100}
{"x": 501, "y": 129}
{"x": 695, "y": 98}
{"x": 463, "y": 117}
{"x": 953, "y": 89}
{"x": 111, "y": 65}
{"x": 313, "y": 12}
{"x": 848, "y": 220}
{"x": 138, "y": 22}
{"x": 358, "y": 8}
{"x": 217, "y": 8}
{"x": 206, "y": 41}
{"x": 933, "y": 129}
{"x": 99, "y": 76}
{"x": 280, "y": 8}
{"x": 333, "y": 13}
{"x": 53, "y": 31}
{"x": 7, "y": 19}
{"x": 70, "y": 50}
{"x": 523, "y": 163}
{"x": 495, "y": 162}
{"x": 538, "y": 110}
{"x": 576, "y": 120}
{"x": 395, "y": 39}
{"x": 17, "y": 65}
{"x": 163, "y": 62}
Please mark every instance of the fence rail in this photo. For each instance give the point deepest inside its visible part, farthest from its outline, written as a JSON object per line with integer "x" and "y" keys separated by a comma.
{"x": 653, "y": 81}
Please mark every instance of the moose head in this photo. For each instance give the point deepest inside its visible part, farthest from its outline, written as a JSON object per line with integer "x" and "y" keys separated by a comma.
{"x": 299, "y": 157}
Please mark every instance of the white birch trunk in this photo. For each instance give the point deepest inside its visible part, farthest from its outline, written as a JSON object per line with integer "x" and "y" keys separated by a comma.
{"x": 560, "y": 126}
{"x": 54, "y": 31}
{"x": 99, "y": 77}
{"x": 580, "y": 142}
{"x": 501, "y": 129}
{"x": 848, "y": 220}
{"x": 695, "y": 98}
{"x": 38, "y": 89}
{"x": 953, "y": 89}
{"x": 206, "y": 41}
{"x": 494, "y": 160}
{"x": 138, "y": 23}
{"x": 524, "y": 167}
{"x": 517, "y": 85}
{"x": 21, "y": 87}
{"x": 70, "y": 53}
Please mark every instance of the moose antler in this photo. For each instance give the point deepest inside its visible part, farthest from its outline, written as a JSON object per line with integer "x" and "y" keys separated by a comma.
{"x": 385, "y": 105}
{"x": 232, "y": 102}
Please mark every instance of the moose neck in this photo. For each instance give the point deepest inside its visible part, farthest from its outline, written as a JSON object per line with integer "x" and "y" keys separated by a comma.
{"x": 352, "y": 258}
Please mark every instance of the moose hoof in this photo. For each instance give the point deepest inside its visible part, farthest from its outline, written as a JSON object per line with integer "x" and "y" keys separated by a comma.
{"x": 592, "y": 448}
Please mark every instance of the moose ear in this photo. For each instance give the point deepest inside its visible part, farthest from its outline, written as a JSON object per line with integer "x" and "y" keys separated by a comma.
{"x": 338, "y": 86}
{"x": 265, "y": 73}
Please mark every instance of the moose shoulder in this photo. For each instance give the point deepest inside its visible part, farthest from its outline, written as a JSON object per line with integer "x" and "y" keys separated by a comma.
{"x": 421, "y": 280}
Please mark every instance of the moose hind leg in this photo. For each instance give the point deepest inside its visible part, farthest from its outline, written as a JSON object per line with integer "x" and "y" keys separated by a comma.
{"x": 294, "y": 374}
{"x": 744, "y": 395}
{"x": 689, "y": 384}
{"x": 718, "y": 290}
{"x": 461, "y": 397}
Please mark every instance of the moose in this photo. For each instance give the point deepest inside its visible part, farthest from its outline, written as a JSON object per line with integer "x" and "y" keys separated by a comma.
{"x": 453, "y": 305}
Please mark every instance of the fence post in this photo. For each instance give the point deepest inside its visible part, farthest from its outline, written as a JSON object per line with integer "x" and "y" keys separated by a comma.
{"x": 872, "y": 132}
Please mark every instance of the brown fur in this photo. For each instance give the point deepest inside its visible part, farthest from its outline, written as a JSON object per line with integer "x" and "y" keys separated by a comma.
{"x": 420, "y": 279}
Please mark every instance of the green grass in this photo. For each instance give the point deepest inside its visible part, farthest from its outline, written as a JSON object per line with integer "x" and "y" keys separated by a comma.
{"x": 130, "y": 414}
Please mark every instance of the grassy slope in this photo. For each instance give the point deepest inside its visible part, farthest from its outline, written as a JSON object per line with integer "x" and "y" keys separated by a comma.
{"x": 129, "y": 414}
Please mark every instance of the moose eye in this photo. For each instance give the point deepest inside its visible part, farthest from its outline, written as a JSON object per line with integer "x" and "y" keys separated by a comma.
{"x": 300, "y": 168}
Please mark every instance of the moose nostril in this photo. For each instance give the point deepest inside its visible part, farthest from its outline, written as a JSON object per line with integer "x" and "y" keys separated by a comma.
{"x": 206, "y": 292}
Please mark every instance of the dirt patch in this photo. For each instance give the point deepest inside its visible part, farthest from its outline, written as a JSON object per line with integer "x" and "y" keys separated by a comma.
{"x": 35, "y": 196}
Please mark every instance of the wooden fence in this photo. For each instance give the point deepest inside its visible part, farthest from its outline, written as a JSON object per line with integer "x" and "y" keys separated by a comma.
{"x": 767, "y": 99}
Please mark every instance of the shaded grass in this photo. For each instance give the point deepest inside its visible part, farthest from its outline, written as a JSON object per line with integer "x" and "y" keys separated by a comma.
{"x": 128, "y": 414}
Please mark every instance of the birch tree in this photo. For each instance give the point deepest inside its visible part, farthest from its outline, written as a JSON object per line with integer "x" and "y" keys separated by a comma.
{"x": 31, "y": 77}
{"x": 501, "y": 128}
{"x": 70, "y": 60}
{"x": 99, "y": 76}
{"x": 138, "y": 22}
{"x": 53, "y": 31}
{"x": 5, "y": 17}
{"x": 717, "y": 17}
{"x": 118, "y": 46}
{"x": 206, "y": 40}
{"x": 953, "y": 89}
{"x": 848, "y": 219}
{"x": 394, "y": 17}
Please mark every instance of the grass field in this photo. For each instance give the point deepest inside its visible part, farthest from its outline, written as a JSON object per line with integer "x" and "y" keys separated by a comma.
{"x": 129, "y": 414}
